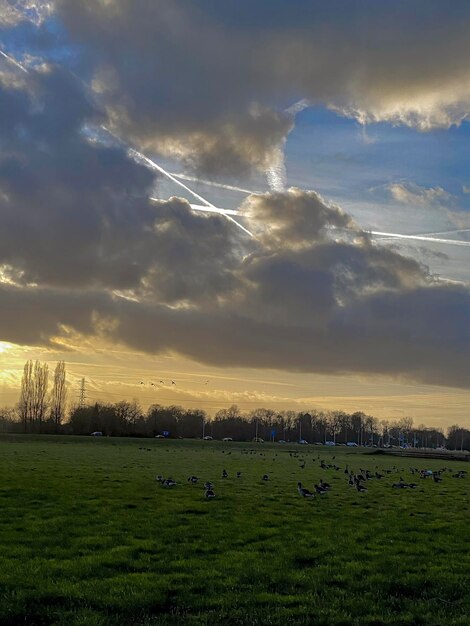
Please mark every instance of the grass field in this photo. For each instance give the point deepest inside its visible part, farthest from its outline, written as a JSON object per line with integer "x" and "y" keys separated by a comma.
{"x": 87, "y": 537}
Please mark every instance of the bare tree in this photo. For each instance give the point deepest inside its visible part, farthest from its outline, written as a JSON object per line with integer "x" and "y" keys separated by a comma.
{"x": 59, "y": 395}
{"x": 39, "y": 394}
{"x": 25, "y": 404}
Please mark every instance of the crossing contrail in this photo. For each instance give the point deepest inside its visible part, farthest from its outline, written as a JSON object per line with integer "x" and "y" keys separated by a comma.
{"x": 276, "y": 178}
{"x": 138, "y": 156}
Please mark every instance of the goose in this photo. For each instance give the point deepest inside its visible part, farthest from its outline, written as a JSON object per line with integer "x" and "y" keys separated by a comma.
{"x": 208, "y": 486}
{"x": 193, "y": 479}
{"x": 239, "y": 474}
{"x": 210, "y": 494}
{"x": 360, "y": 487}
{"x": 305, "y": 493}
{"x": 224, "y": 474}
{"x": 325, "y": 486}
{"x": 159, "y": 478}
{"x": 319, "y": 490}
{"x": 169, "y": 482}
{"x": 265, "y": 477}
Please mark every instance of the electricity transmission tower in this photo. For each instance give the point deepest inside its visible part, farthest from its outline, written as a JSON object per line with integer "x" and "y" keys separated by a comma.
{"x": 82, "y": 394}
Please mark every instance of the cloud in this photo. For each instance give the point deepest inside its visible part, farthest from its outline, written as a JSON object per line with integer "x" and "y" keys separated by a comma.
{"x": 210, "y": 84}
{"x": 412, "y": 194}
{"x": 84, "y": 251}
{"x": 14, "y": 13}
{"x": 76, "y": 214}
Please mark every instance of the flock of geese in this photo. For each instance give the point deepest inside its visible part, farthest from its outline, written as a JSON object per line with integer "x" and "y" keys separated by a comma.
{"x": 357, "y": 480}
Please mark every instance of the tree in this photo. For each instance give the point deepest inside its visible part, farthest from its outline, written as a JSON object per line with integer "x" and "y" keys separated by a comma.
{"x": 25, "y": 403}
{"x": 58, "y": 395}
{"x": 39, "y": 404}
{"x": 32, "y": 403}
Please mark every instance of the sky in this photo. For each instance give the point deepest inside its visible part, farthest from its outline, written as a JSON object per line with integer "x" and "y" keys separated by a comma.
{"x": 326, "y": 144}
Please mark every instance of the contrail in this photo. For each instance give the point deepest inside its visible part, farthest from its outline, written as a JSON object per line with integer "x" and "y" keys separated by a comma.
{"x": 211, "y": 183}
{"x": 138, "y": 156}
{"x": 276, "y": 174}
{"x": 14, "y": 61}
{"x": 276, "y": 178}
{"x": 203, "y": 207}
{"x": 446, "y": 232}
{"x": 452, "y": 242}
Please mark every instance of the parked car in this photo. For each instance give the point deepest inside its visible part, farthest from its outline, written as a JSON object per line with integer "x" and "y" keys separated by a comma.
{"x": 159, "y": 437}
{"x": 208, "y": 438}
{"x": 352, "y": 444}
{"x": 330, "y": 443}
{"x": 97, "y": 433}
{"x": 258, "y": 440}
{"x": 227, "y": 439}
{"x": 281, "y": 441}
{"x": 303, "y": 441}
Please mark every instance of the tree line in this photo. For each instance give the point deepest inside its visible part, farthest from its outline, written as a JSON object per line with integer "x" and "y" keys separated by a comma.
{"x": 42, "y": 408}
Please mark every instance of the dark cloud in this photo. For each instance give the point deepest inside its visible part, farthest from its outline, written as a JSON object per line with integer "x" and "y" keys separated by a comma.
{"x": 82, "y": 247}
{"x": 208, "y": 81}
{"x": 76, "y": 214}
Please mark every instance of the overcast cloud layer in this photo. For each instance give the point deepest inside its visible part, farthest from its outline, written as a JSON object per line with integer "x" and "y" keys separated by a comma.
{"x": 83, "y": 248}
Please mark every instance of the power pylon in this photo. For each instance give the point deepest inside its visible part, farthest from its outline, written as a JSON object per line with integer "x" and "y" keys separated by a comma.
{"x": 82, "y": 394}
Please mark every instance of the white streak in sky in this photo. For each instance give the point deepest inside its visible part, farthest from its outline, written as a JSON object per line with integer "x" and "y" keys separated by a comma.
{"x": 203, "y": 207}
{"x": 139, "y": 157}
{"x": 276, "y": 177}
{"x": 210, "y": 183}
{"x": 14, "y": 61}
{"x": 452, "y": 242}
{"x": 276, "y": 174}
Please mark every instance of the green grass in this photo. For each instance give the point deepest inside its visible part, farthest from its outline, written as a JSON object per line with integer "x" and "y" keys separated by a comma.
{"x": 88, "y": 538}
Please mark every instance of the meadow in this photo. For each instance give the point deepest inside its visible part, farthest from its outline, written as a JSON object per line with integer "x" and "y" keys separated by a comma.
{"x": 87, "y": 536}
